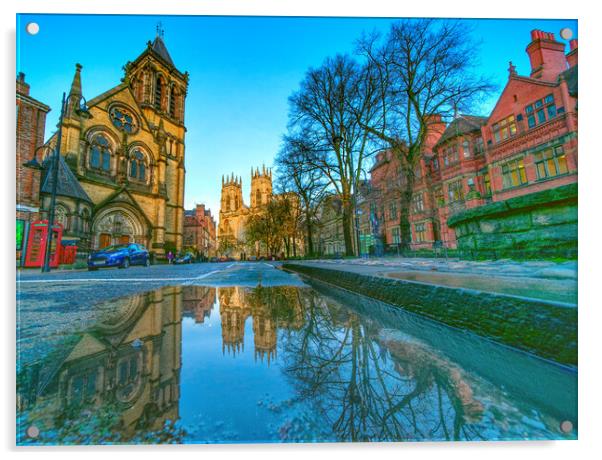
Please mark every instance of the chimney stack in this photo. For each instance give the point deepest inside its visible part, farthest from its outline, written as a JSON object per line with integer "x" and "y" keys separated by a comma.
{"x": 546, "y": 56}
{"x": 22, "y": 87}
{"x": 571, "y": 57}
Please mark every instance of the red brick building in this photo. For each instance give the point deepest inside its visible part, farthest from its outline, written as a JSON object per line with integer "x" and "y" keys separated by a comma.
{"x": 527, "y": 144}
{"x": 200, "y": 231}
{"x": 31, "y": 123}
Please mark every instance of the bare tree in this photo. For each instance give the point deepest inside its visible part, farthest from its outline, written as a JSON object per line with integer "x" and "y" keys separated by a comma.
{"x": 307, "y": 182}
{"x": 326, "y": 115}
{"x": 423, "y": 67}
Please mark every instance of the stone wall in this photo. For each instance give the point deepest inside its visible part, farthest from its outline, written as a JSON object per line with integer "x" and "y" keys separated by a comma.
{"x": 546, "y": 329}
{"x": 538, "y": 225}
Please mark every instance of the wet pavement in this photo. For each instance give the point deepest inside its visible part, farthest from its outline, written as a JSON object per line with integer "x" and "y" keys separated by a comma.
{"x": 244, "y": 352}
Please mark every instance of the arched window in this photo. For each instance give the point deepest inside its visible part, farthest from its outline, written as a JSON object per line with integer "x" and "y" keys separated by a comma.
{"x": 60, "y": 217}
{"x": 100, "y": 153}
{"x": 172, "y": 102}
{"x": 122, "y": 119}
{"x": 138, "y": 166}
{"x": 258, "y": 197}
{"x": 158, "y": 92}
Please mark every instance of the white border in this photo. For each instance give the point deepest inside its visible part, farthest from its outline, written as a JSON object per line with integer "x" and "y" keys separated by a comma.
{"x": 589, "y": 215}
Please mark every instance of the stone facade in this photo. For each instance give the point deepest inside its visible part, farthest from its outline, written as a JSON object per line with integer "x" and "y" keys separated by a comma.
{"x": 233, "y": 213}
{"x": 535, "y": 225}
{"x": 127, "y": 151}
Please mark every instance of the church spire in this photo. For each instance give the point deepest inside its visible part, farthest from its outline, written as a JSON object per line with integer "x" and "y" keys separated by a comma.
{"x": 75, "y": 93}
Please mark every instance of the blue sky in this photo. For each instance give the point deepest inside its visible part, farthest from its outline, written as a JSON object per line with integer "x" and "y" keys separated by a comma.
{"x": 242, "y": 71}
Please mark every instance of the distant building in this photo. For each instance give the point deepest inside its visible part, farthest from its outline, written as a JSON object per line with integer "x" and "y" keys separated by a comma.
{"x": 31, "y": 123}
{"x": 200, "y": 231}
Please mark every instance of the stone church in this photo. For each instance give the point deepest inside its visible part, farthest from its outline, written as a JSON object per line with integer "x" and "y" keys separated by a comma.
{"x": 121, "y": 175}
{"x": 234, "y": 213}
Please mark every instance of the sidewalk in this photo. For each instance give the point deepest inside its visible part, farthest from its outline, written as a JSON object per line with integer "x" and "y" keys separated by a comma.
{"x": 535, "y": 279}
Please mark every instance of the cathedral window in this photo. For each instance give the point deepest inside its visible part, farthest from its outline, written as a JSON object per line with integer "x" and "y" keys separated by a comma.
{"x": 138, "y": 166}
{"x": 123, "y": 120}
{"x": 100, "y": 153}
{"x": 60, "y": 217}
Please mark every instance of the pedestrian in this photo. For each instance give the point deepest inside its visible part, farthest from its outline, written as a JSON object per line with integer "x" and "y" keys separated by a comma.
{"x": 170, "y": 257}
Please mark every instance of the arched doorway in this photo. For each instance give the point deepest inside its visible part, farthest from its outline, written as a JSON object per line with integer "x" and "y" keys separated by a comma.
{"x": 118, "y": 225}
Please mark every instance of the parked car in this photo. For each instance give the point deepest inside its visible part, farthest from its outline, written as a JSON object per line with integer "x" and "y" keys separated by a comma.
{"x": 119, "y": 255}
{"x": 187, "y": 258}
{"x": 213, "y": 259}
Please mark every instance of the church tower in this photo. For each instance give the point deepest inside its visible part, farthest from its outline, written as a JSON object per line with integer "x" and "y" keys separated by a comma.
{"x": 231, "y": 194}
{"x": 261, "y": 187}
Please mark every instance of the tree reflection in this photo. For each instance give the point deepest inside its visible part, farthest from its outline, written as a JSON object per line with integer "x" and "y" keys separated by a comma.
{"x": 375, "y": 384}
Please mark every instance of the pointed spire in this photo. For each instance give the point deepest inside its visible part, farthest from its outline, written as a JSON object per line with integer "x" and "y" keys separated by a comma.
{"x": 75, "y": 93}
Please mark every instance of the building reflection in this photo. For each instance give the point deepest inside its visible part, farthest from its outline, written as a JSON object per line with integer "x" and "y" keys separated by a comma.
{"x": 120, "y": 376}
{"x": 199, "y": 301}
{"x": 270, "y": 309}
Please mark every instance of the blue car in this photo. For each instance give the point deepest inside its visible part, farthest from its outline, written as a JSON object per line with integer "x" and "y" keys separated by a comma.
{"x": 119, "y": 255}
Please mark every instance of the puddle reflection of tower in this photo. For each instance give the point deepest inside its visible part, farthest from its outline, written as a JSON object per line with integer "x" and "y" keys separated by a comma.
{"x": 233, "y": 316}
{"x": 265, "y": 337}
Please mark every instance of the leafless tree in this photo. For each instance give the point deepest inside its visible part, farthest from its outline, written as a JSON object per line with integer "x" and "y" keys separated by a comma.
{"x": 422, "y": 67}
{"x": 307, "y": 182}
{"x": 326, "y": 116}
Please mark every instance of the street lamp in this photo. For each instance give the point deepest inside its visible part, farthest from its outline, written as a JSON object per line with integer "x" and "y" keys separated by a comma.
{"x": 81, "y": 110}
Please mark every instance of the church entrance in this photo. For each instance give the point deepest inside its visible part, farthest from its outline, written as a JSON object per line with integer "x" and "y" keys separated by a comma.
{"x": 118, "y": 225}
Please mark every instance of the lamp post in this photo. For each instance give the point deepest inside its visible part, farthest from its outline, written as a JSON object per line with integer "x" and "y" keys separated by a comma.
{"x": 55, "y": 171}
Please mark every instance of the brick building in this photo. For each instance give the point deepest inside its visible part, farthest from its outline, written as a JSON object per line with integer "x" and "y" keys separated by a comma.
{"x": 527, "y": 144}
{"x": 31, "y": 123}
{"x": 200, "y": 231}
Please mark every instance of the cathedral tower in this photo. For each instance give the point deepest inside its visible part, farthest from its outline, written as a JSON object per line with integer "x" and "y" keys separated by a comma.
{"x": 261, "y": 187}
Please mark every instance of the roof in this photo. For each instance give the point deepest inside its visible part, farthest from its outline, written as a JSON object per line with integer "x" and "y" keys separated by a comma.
{"x": 67, "y": 185}
{"x": 159, "y": 47}
{"x": 570, "y": 76}
{"x": 462, "y": 124}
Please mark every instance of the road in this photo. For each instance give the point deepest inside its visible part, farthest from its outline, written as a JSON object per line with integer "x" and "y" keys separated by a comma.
{"x": 49, "y": 303}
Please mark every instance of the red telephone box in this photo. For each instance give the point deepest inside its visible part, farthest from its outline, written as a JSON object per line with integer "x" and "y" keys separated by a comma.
{"x": 36, "y": 244}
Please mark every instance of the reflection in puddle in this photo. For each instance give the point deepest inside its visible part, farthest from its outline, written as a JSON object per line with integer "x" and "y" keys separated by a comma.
{"x": 196, "y": 364}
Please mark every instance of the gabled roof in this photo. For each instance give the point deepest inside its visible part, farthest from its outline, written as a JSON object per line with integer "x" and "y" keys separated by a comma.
{"x": 462, "y": 124}
{"x": 159, "y": 47}
{"x": 570, "y": 76}
{"x": 67, "y": 184}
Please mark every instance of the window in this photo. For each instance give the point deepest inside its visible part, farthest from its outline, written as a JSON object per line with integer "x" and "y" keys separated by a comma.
{"x": 487, "y": 184}
{"x": 420, "y": 231}
{"x": 551, "y": 162}
{"x": 466, "y": 148}
{"x": 158, "y": 92}
{"x": 172, "y": 102}
{"x": 396, "y": 236}
{"x": 513, "y": 173}
{"x": 540, "y": 111}
{"x": 393, "y": 211}
{"x": 455, "y": 191}
{"x": 138, "y": 166}
{"x": 450, "y": 155}
{"x": 435, "y": 163}
{"x": 100, "y": 155}
{"x": 418, "y": 202}
{"x": 123, "y": 120}
{"x": 478, "y": 147}
{"x": 504, "y": 129}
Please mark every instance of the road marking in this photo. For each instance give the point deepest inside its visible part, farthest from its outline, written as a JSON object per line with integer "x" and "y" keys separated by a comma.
{"x": 127, "y": 280}
{"x": 87, "y": 280}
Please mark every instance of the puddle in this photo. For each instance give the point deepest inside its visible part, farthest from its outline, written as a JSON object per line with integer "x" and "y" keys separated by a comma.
{"x": 198, "y": 364}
